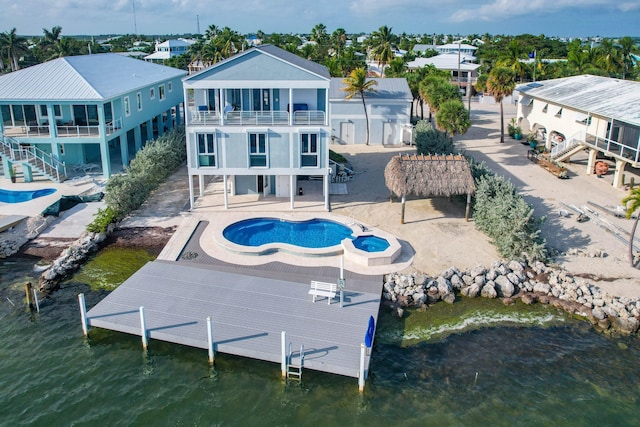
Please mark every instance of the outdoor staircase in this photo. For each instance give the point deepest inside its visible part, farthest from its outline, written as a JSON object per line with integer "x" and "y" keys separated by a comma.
{"x": 566, "y": 149}
{"x": 33, "y": 157}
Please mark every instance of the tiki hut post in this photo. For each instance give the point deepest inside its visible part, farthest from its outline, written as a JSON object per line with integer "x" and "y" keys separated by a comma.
{"x": 468, "y": 208}
{"x": 404, "y": 199}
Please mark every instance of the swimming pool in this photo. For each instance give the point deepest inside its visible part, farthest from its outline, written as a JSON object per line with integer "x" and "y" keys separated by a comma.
{"x": 312, "y": 233}
{"x": 9, "y": 196}
{"x": 371, "y": 243}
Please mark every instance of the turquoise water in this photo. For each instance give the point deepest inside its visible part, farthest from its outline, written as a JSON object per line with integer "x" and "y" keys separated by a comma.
{"x": 10, "y": 196}
{"x": 314, "y": 233}
{"x": 493, "y": 366}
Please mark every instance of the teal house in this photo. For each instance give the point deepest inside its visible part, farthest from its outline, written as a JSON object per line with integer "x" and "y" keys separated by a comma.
{"x": 260, "y": 121}
{"x": 86, "y": 113}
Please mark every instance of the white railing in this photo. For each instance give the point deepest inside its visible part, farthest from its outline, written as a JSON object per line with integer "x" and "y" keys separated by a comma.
{"x": 114, "y": 126}
{"x": 576, "y": 139}
{"x": 257, "y": 118}
{"x": 72, "y": 131}
{"x": 42, "y": 161}
{"x": 308, "y": 117}
{"x": 203, "y": 117}
{"x": 33, "y": 131}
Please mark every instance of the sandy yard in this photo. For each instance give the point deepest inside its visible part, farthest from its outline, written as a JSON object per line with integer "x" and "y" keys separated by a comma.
{"x": 436, "y": 228}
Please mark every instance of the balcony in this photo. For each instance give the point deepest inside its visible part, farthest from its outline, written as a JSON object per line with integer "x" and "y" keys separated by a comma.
{"x": 64, "y": 130}
{"x": 256, "y": 118}
{"x": 613, "y": 148}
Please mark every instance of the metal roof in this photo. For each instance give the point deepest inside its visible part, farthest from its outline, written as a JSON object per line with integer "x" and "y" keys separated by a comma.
{"x": 387, "y": 88}
{"x": 278, "y": 53}
{"x": 603, "y": 96}
{"x": 88, "y": 77}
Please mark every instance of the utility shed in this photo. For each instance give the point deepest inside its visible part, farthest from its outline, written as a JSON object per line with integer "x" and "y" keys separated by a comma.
{"x": 429, "y": 176}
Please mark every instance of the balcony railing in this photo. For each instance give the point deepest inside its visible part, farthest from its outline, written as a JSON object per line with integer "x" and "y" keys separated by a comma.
{"x": 255, "y": 118}
{"x": 310, "y": 117}
{"x": 621, "y": 151}
{"x": 64, "y": 130}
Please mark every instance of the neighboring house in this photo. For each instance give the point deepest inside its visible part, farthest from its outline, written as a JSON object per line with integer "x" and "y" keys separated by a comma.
{"x": 389, "y": 109}
{"x": 600, "y": 114}
{"x": 169, "y": 49}
{"x": 76, "y": 110}
{"x": 467, "y": 50}
{"x": 259, "y": 119}
{"x": 452, "y": 63}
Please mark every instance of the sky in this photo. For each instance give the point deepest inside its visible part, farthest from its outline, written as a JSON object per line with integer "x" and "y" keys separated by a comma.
{"x": 563, "y": 18}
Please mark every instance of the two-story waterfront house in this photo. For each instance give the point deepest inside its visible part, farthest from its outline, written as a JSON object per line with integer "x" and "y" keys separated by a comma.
{"x": 599, "y": 114}
{"x": 260, "y": 120}
{"x": 91, "y": 112}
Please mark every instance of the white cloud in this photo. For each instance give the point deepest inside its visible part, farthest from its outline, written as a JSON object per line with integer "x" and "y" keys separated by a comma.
{"x": 498, "y": 10}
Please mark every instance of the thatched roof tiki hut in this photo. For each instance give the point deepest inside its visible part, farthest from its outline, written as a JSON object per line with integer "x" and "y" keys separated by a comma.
{"x": 429, "y": 176}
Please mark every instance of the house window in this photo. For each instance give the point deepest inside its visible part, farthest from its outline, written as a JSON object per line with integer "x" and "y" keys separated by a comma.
{"x": 161, "y": 92}
{"x": 152, "y": 93}
{"x": 170, "y": 86}
{"x": 309, "y": 149}
{"x": 139, "y": 100}
{"x": 257, "y": 150}
{"x": 127, "y": 109}
{"x": 206, "y": 149}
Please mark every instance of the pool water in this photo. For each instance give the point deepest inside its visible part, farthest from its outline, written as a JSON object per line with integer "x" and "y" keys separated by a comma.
{"x": 371, "y": 243}
{"x": 9, "y": 196}
{"x": 313, "y": 233}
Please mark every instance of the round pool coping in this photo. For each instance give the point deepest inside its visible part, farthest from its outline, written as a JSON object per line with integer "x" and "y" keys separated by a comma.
{"x": 213, "y": 243}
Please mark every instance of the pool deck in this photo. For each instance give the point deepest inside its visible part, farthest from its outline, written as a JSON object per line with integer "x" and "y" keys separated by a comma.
{"x": 249, "y": 308}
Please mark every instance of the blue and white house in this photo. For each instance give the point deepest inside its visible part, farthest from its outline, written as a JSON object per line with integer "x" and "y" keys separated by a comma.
{"x": 79, "y": 112}
{"x": 260, "y": 120}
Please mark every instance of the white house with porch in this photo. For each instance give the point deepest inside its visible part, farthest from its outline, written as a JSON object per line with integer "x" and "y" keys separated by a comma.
{"x": 260, "y": 120}
{"x": 463, "y": 71}
{"x": 91, "y": 112}
{"x": 572, "y": 114}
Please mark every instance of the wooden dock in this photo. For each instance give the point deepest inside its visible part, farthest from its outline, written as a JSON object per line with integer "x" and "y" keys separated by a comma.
{"x": 249, "y": 311}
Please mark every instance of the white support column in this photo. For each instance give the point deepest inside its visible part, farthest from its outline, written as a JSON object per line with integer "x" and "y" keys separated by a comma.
{"x": 619, "y": 173}
{"x": 201, "y": 184}
{"x": 292, "y": 189}
{"x": 291, "y": 108}
{"x": 361, "y": 377}
{"x": 191, "y": 192}
{"x": 326, "y": 106}
{"x": 591, "y": 162}
{"x": 223, "y": 104}
{"x": 212, "y": 353}
{"x": 225, "y": 189}
{"x": 326, "y": 185}
{"x": 143, "y": 329}
{"x": 283, "y": 363}
{"x": 83, "y": 315}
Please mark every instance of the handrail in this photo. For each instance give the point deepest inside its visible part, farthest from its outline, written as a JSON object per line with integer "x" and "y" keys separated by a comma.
{"x": 567, "y": 144}
{"x": 256, "y": 117}
{"x": 34, "y": 156}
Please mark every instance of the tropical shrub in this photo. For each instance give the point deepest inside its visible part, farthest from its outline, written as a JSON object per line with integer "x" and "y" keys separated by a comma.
{"x": 431, "y": 141}
{"x": 503, "y": 215}
{"x": 152, "y": 165}
{"x": 102, "y": 219}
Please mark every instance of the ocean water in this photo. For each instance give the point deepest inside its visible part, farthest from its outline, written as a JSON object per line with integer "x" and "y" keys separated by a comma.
{"x": 475, "y": 363}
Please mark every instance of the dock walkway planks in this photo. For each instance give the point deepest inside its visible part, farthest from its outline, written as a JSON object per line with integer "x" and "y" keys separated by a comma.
{"x": 248, "y": 313}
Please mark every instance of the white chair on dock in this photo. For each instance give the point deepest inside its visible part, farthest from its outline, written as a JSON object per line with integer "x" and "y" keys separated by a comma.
{"x": 323, "y": 289}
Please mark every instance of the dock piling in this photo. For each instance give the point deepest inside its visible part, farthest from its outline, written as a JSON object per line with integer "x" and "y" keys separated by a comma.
{"x": 143, "y": 329}
{"x": 29, "y": 293}
{"x": 283, "y": 363}
{"x": 210, "y": 336}
{"x": 35, "y": 299}
{"x": 361, "y": 377}
{"x": 83, "y": 315}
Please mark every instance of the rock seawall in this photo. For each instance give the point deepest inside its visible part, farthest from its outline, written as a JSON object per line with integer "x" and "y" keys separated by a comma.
{"x": 511, "y": 280}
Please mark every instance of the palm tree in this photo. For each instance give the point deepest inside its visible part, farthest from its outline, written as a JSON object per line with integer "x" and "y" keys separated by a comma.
{"x": 381, "y": 47}
{"x": 453, "y": 118}
{"x": 356, "y": 83}
{"x": 627, "y": 49}
{"x": 512, "y": 58}
{"x": 211, "y": 32}
{"x": 319, "y": 34}
{"x": 14, "y": 46}
{"x": 435, "y": 90}
{"x": 339, "y": 39}
{"x": 228, "y": 42}
{"x": 632, "y": 202}
{"x": 51, "y": 40}
{"x": 608, "y": 57}
{"x": 500, "y": 84}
